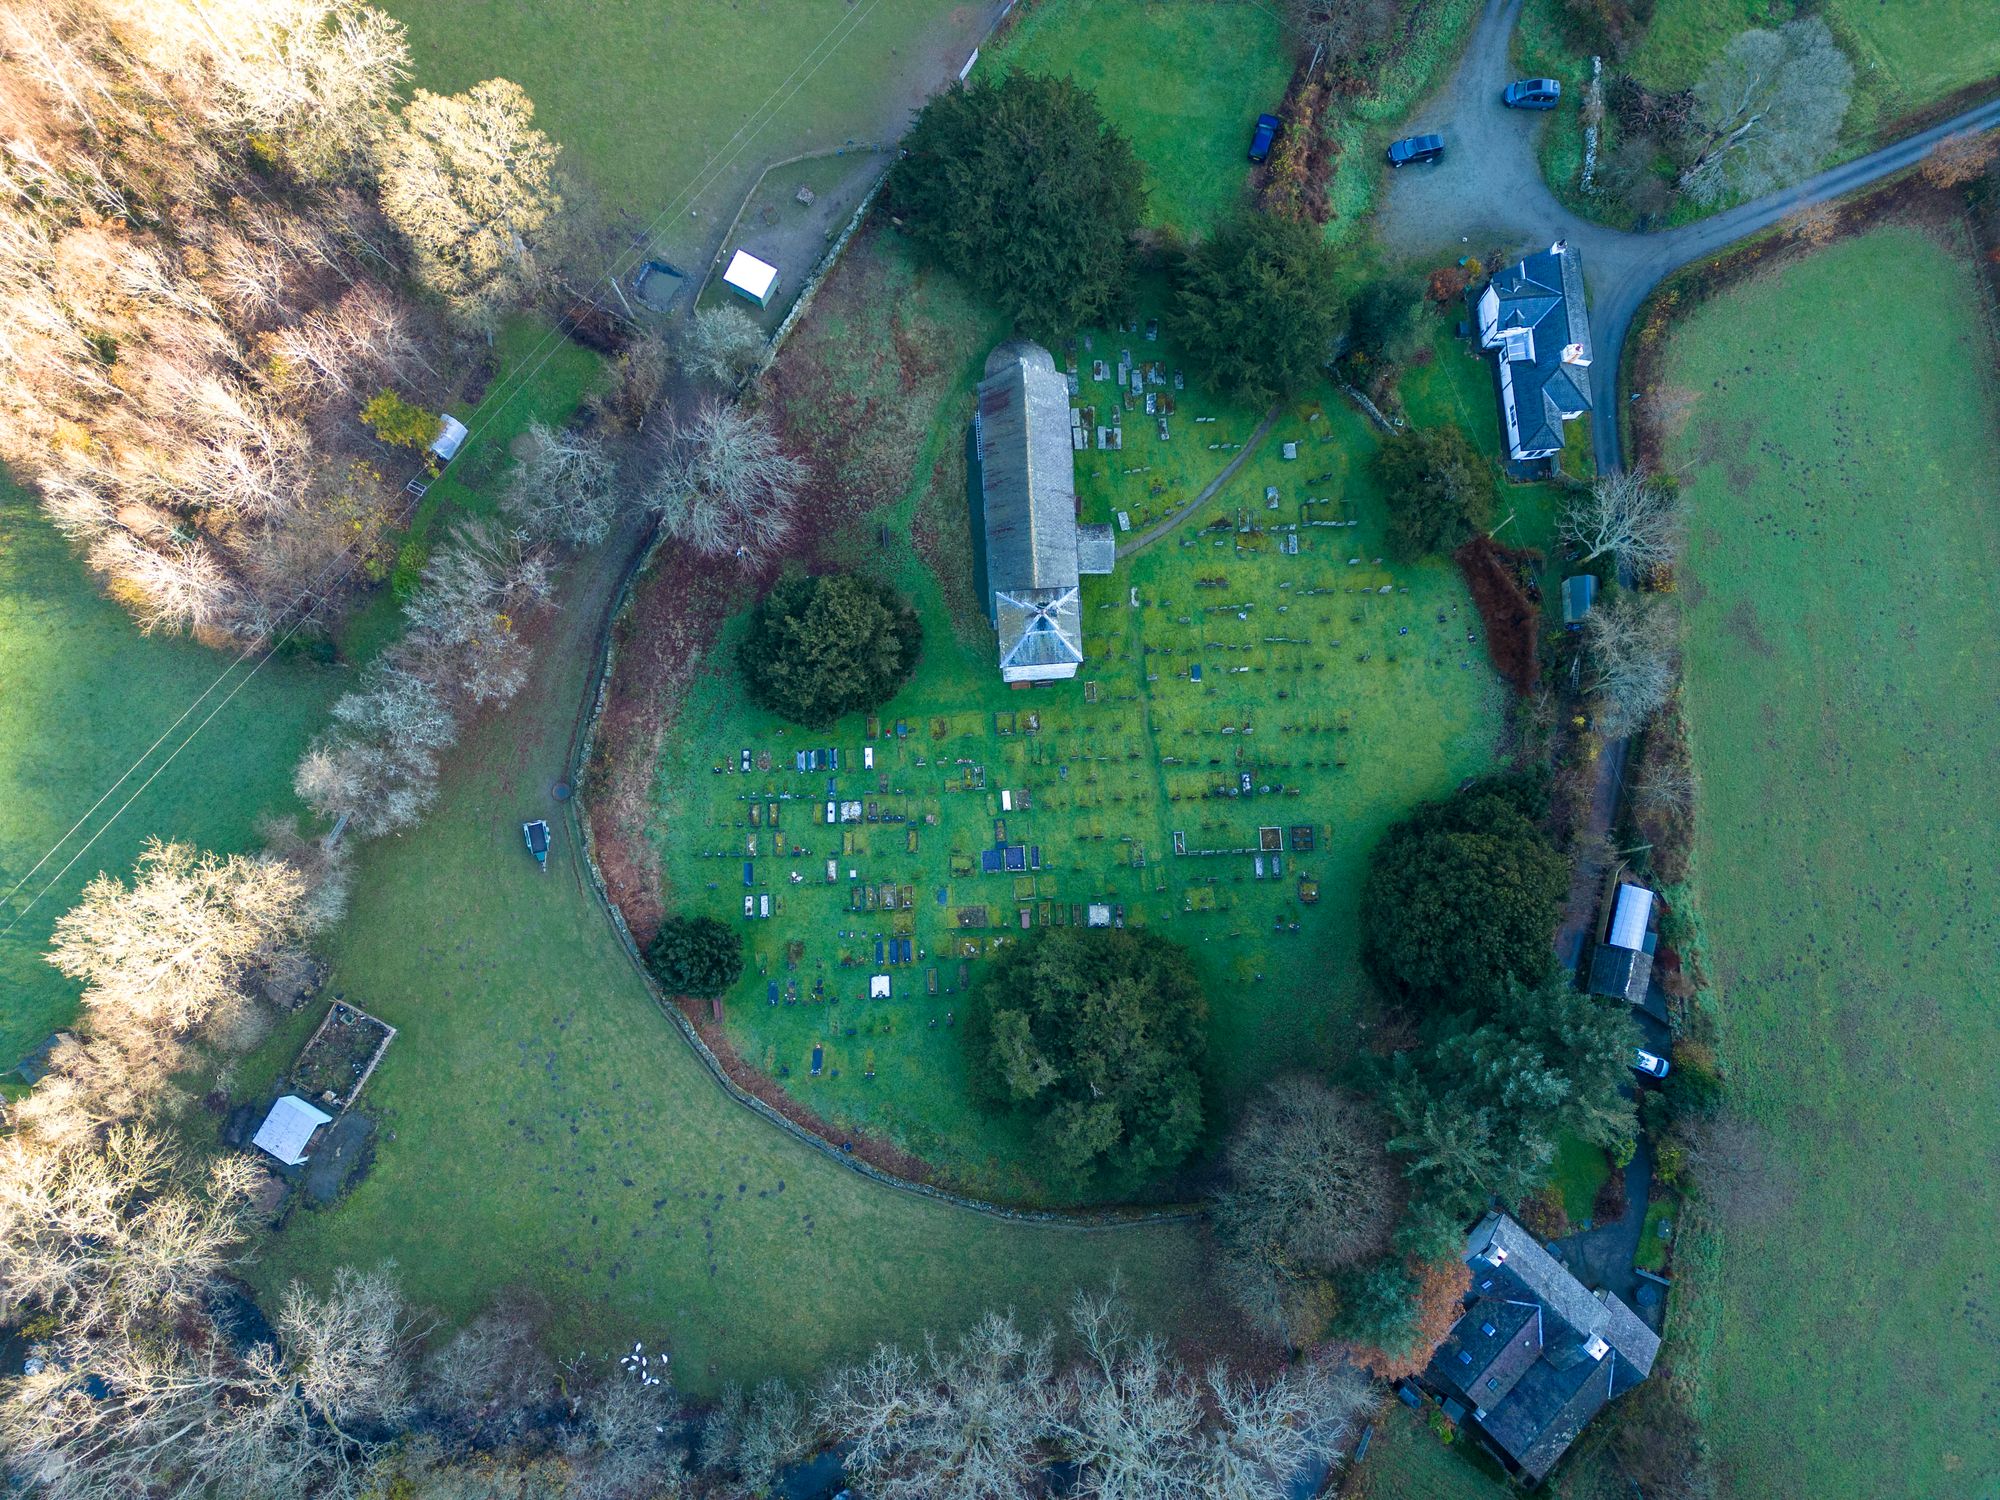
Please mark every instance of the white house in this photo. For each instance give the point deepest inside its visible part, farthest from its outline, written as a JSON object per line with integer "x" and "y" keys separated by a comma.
{"x": 1532, "y": 316}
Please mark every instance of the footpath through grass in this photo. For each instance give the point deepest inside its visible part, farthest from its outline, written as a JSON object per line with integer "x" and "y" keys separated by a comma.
{"x": 84, "y": 695}
{"x": 1842, "y": 687}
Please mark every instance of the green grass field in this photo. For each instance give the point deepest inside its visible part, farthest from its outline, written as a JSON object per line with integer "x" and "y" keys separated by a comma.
{"x": 1842, "y": 686}
{"x": 668, "y": 106}
{"x": 1407, "y": 1461}
{"x": 543, "y": 1127}
{"x": 1185, "y": 82}
{"x": 1342, "y": 687}
{"x": 85, "y": 696}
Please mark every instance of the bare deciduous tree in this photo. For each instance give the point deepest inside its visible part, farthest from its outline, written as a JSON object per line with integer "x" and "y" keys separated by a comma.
{"x": 723, "y": 344}
{"x": 1310, "y": 1189}
{"x": 1632, "y": 647}
{"x": 963, "y": 1423}
{"x": 564, "y": 488}
{"x": 1769, "y": 109}
{"x": 168, "y": 948}
{"x": 1348, "y": 30}
{"x": 1629, "y": 515}
{"x": 114, "y": 1232}
{"x": 1262, "y": 1435}
{"x": 460, "y": 634}
{"x": 725, "y": 484}
{"x": 470, "y": 184}
{"x": 315, "y": 79}
{"x": 1666, "y": 786}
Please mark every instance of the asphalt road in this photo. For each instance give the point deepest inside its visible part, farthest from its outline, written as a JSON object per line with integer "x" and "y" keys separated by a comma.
{"x": 1489, "y": 187}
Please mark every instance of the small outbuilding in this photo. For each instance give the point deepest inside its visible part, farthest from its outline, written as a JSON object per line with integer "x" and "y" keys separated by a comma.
{"x": 751, "y": 278}
{"x": 1622, "y": 965}
{"x": 1579, "y": 593}
{"x": 288, "y": 1130}
{"x": 451, "y": 437}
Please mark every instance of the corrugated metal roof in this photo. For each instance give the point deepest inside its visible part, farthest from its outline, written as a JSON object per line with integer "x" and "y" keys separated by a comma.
{"x": 288, "y": 1129}
{"x": 1628, "y": 916}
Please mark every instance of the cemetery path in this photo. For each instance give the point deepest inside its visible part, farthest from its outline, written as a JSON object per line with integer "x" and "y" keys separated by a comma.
{"x": 1161, "y": 527}
{"x": 1489, "y": 188}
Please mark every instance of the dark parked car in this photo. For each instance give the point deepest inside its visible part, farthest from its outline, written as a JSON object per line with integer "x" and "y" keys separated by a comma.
{"x": 1260, "y": 143}
{"x": 1428, "y": 149}
{"x": 1532, "y": 93}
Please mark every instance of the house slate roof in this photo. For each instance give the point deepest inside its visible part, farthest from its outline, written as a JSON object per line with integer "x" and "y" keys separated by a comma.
{"x": 1027, "y": 471}
{"x": 1550, "y": 1375}
{"x": 1485, "y": 1366}
{"x": 1502, "y": 1251}
{"x": 1544, "y": 1413}
{"x": 1541, "y": 300}
{"x": 1096, "y": 548}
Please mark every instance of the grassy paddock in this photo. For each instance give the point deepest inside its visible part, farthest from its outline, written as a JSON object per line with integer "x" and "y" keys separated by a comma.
{"x": 1841, "y": 687}
{"x": 544, "y": 1130}
{"x": 85, "y": 694}
{"x": 662, "y": 104}
{"x": 1185, "y": 82}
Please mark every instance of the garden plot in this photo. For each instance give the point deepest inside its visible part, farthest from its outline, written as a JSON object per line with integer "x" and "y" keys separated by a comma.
{"x": 336, "y": 1062}
{"x": 1263, "y": 691}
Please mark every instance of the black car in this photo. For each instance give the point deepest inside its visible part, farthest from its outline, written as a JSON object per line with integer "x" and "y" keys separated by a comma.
{"x": 1260, "y": 143}
{"x": 1427, "y": 149}
{"x": 1532, "y": 93}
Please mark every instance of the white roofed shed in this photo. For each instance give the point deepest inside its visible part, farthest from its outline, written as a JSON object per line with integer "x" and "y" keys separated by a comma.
{"x": 287, "y": 1130}
{"x": 451, "y": 437}
{"x": 1629, "y": 915}
{"x": 750, "y": 277}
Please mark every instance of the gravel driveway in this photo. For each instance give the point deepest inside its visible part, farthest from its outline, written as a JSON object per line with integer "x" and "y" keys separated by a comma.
{"x": 1489, "y": 189}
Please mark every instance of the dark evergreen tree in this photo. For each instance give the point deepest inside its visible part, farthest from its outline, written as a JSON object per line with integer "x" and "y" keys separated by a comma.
{"x": 1099, "y": 1034}
{"x": 1478, "y": 1110}
{"x": 1440, "y": 489}
{"x": 820, "y": 647}
{"x": 695, "y": 956}
{"x": 1259, "y": 305}
{"x": 1460, "y": 895}
{"x": 1021, "y": 186}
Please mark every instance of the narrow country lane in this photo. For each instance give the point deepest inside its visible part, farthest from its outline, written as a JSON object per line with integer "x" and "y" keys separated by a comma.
{"x": 1490, "y": 186}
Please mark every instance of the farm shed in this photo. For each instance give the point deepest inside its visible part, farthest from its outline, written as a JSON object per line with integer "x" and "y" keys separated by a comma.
{"x": 1622, "y": 966}
{"x": 751, "y": 278}
{"x": 1022, "y": 490}
{"x": 288, "y": 1129}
